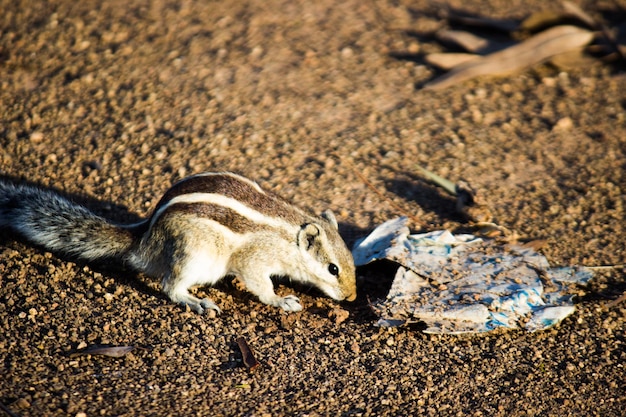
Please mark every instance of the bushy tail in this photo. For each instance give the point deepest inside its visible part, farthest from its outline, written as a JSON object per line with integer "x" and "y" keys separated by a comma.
{"x": 59, "y": 225}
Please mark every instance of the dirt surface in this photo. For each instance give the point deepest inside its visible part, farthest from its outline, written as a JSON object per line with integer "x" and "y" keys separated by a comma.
{"x": 112, "y": 101}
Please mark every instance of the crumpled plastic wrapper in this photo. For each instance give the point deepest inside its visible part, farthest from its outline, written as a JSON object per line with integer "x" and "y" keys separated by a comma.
{"x": 463, "y": 284}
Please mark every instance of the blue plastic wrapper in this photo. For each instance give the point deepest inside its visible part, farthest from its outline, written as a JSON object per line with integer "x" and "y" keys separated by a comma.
{"x": 463, "y": 284}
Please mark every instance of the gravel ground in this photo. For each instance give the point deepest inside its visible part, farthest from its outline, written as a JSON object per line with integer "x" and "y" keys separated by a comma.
{"x": 110, "y": 102}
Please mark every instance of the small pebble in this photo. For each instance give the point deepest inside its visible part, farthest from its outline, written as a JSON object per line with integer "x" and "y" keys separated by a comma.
{"x": 36, "y": 137}
{"x": 563, "y": 124}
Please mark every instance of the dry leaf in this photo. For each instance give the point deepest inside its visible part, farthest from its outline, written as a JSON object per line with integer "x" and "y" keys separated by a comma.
{"x": 532, "y": 51}
{"x": 573, "y": 59}
{"x": 545, "y": 18}
{"x": 450, "y": 60}
{"x": 574, "y": 10}
{"x": 535, "y": 244}
{"x": 540, "y": 19}
{"x": 505, "y": 25}
{"x": 111, "y": 351}
{"x": 444, "y": 183}
{"x": 247, "y": 354}
{"x": 471, "y": 42}
{"x": 465, "y": 40}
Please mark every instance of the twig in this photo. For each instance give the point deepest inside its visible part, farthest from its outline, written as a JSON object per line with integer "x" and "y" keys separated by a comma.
{"x": 615, "y": 302}
{"x": 601, "y": 267}
{"x": 444, "y": 183}
{"x": 8, "y": 411}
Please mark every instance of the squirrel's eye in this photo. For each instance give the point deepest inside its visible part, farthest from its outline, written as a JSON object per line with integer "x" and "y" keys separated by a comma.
{"x": 333, "y": 269}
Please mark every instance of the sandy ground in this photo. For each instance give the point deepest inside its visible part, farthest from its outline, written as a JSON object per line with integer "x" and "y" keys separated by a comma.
{"x": 110, "y": 102}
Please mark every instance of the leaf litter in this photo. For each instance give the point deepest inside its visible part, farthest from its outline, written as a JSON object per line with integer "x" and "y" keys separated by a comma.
{"x": 564, "y": 37}
{"x": 534, "y": 50}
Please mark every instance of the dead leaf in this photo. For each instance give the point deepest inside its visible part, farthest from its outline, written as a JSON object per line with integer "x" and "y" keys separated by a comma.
{"x": 444, "y": 183}
{"x": 505, "y": 25}
{"x": 574, "y": 10}
{"x": 247, "y": 354}
{"x": 535, "y": 244}
{"x": 540, "y": 19}
{"x": 466, "y": 40}
{"x": 111, "y": 351}
{"x": 471, "y": 42}
{"x": 492, "y": 231}
{"x": 450, "y": 60}
{"x": 532, "y": 51}
{"x": 573, "y": 59}
{"x": 544, "y": 18}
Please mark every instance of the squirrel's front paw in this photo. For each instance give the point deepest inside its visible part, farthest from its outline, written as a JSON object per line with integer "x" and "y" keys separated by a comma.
{"x": 289, "y": 303}
{"x": 207, "y": 304}
{"x": 199, "y": 305}
{"x": 202, "y": 305}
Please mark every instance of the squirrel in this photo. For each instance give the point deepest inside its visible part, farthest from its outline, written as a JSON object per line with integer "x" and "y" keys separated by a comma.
{"x": 204, "y": 228}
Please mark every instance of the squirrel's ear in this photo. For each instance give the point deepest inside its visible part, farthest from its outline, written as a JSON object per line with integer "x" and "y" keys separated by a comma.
{"x": 307, "y": 235}
{"x": 330, "y": 217}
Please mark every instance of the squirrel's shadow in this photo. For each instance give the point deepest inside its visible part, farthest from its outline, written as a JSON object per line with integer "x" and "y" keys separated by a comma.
{"x": 424, "y": 193}
{"x": 375, "y": 280}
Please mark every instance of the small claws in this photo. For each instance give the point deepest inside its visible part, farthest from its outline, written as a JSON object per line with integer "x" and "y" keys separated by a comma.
{"x": 208, "y": 304}
{"x": 196, "y": 304}
{"x": 289, "y": 303}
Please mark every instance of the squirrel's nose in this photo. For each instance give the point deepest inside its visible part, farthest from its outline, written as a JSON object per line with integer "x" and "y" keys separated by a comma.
{"x": 351, "y": 297}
